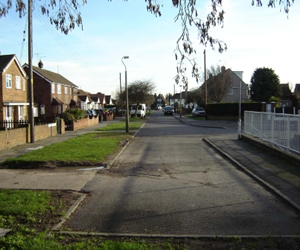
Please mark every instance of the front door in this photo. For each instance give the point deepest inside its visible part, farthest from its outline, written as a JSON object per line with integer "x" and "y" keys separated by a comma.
{"x": 8, "y": 116}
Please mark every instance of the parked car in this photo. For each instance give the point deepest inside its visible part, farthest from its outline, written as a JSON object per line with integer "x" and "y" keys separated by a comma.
{"x": 91, "y": 113}
{"x": 168, "y": 110}
{"x": 199, "y": 111}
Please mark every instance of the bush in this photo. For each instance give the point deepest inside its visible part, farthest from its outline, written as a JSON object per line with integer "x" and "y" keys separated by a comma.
{"x": 73, "y": 114}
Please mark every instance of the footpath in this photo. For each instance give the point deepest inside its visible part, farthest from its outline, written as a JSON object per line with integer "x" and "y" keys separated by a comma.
{"x": 280, "y": 176}
{"x": 277, "y": 171}
{"x": 62, "y": 178}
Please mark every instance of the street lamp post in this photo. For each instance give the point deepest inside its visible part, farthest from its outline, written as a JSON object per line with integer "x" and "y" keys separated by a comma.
{"x": 126, "y": 93}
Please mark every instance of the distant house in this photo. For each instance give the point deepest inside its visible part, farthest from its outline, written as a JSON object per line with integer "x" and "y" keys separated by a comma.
{"x": 85, "y": 101}
{"x": 108, "y": 100}
{"x": 297, "y": 89}
{"x": 14, "y": 90}
{"x": 286, "y": 95}
{"x": 176, "y": 99}
{"x": 237, "y": 87}
{"x": 159, "y": 101}
{"x": 53, "y": 93}
{"x": 99, "y": 100}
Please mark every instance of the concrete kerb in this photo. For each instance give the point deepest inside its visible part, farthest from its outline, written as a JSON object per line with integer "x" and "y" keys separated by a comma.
{"x": 254, "y": 176}
{"x": 174, "y": 236}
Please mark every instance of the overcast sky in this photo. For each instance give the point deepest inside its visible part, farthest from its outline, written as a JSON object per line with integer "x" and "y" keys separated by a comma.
{"x": 91, "y": 58}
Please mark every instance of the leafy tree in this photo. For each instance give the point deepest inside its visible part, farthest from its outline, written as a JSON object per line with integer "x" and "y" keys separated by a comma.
{"x": 140, "y": 92}
{"x": 264, "y": 84}
{"x": 65, "y": 15}
{"x": 196, "y": 95}
{"x": 218, "y": 83}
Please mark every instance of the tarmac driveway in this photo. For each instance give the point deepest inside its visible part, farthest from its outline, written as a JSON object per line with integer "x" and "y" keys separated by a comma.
{"x": 169, "y": 182}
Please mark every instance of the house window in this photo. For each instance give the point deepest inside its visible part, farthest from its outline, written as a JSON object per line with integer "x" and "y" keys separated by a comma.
{"x": 8, "y": 81}
{"x": 53, "y": 88}
{"x": 35, "y": 112}
{"x": 18, "y": 82}
{"x": 59, "y": 109}
{"x": 24, "y": 84}
{"x": 58, "y": 89}
{"x": 70, "y": 91}
{"x": 43, "y": 109}
{"x": 230, "y": 92}
{"x": 20, "y": 110}
{"x": 66, "y": 90}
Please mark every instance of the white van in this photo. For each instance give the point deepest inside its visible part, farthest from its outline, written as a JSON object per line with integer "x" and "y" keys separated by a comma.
{"x": 141, "y": 110}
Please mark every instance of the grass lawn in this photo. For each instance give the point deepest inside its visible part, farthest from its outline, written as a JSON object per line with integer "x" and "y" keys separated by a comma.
{"x": 92, "y": 147}
{"x": 30, "y": 214}
{"x": 134, "y": 124}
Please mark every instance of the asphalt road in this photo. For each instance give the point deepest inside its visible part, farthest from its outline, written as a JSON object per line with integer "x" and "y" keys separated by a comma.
{"x": 169, "y": 182}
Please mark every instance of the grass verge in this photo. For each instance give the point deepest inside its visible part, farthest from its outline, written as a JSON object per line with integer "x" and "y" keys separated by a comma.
{"x": 30, "y": 214}
{"x": 134, "y": 124}
{"x": 91, "y": 147}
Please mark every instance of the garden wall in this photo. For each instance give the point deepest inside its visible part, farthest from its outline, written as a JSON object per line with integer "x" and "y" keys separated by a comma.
{"x": 85, "y": 122}
{"x": 15, "y": 137}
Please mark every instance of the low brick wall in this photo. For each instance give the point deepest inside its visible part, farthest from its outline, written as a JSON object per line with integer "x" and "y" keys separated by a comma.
{"x": 44, "y": 131}
{"x": 15, "y": 137}
{"x": 86, "y": 122}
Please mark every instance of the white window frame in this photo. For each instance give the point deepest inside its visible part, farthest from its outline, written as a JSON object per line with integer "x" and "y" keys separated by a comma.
{"x": 18, "y": 82}
{"x": 42, "y": 109}
{"x": 58, "y": 89}
{"x": 20, "y": 110}
{"x": 66, "y": 90}
{"x": 53, "y": 88}
{"x": 8, "y": 81}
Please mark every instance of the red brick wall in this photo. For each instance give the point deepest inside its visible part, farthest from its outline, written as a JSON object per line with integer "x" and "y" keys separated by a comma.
{"x": 86, "y": 122}
{"x": 15, "y": 137}
{"x": 44, "y": 131}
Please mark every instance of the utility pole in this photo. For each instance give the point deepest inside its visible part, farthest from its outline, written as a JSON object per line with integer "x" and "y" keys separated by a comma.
{"x": 121, "y": 95}
{"x": 205, "y": 83}
{"x": 30, "y": 82}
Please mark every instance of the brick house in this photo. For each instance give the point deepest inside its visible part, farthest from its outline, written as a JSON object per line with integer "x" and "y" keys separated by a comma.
{"x": 233, "y": 79}
{"x": 53, "y": 93}
{"x": 14, "y": 95}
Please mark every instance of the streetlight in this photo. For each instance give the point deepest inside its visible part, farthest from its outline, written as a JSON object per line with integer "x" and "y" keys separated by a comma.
{"x": 126, "y": 93}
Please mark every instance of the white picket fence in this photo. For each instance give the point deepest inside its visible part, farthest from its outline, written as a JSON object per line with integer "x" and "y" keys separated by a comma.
{"x": 283, "y": 130}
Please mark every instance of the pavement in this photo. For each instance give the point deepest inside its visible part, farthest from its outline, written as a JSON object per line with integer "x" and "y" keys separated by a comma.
{"x": 280, "y": 176}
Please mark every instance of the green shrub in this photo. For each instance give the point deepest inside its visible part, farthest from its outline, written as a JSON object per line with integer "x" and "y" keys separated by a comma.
{"x": 73, "y": 114}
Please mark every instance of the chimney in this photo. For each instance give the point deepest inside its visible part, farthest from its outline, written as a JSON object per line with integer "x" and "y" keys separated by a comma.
{"x": 40, "y": 64}
{"x": 223, "y": 69}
